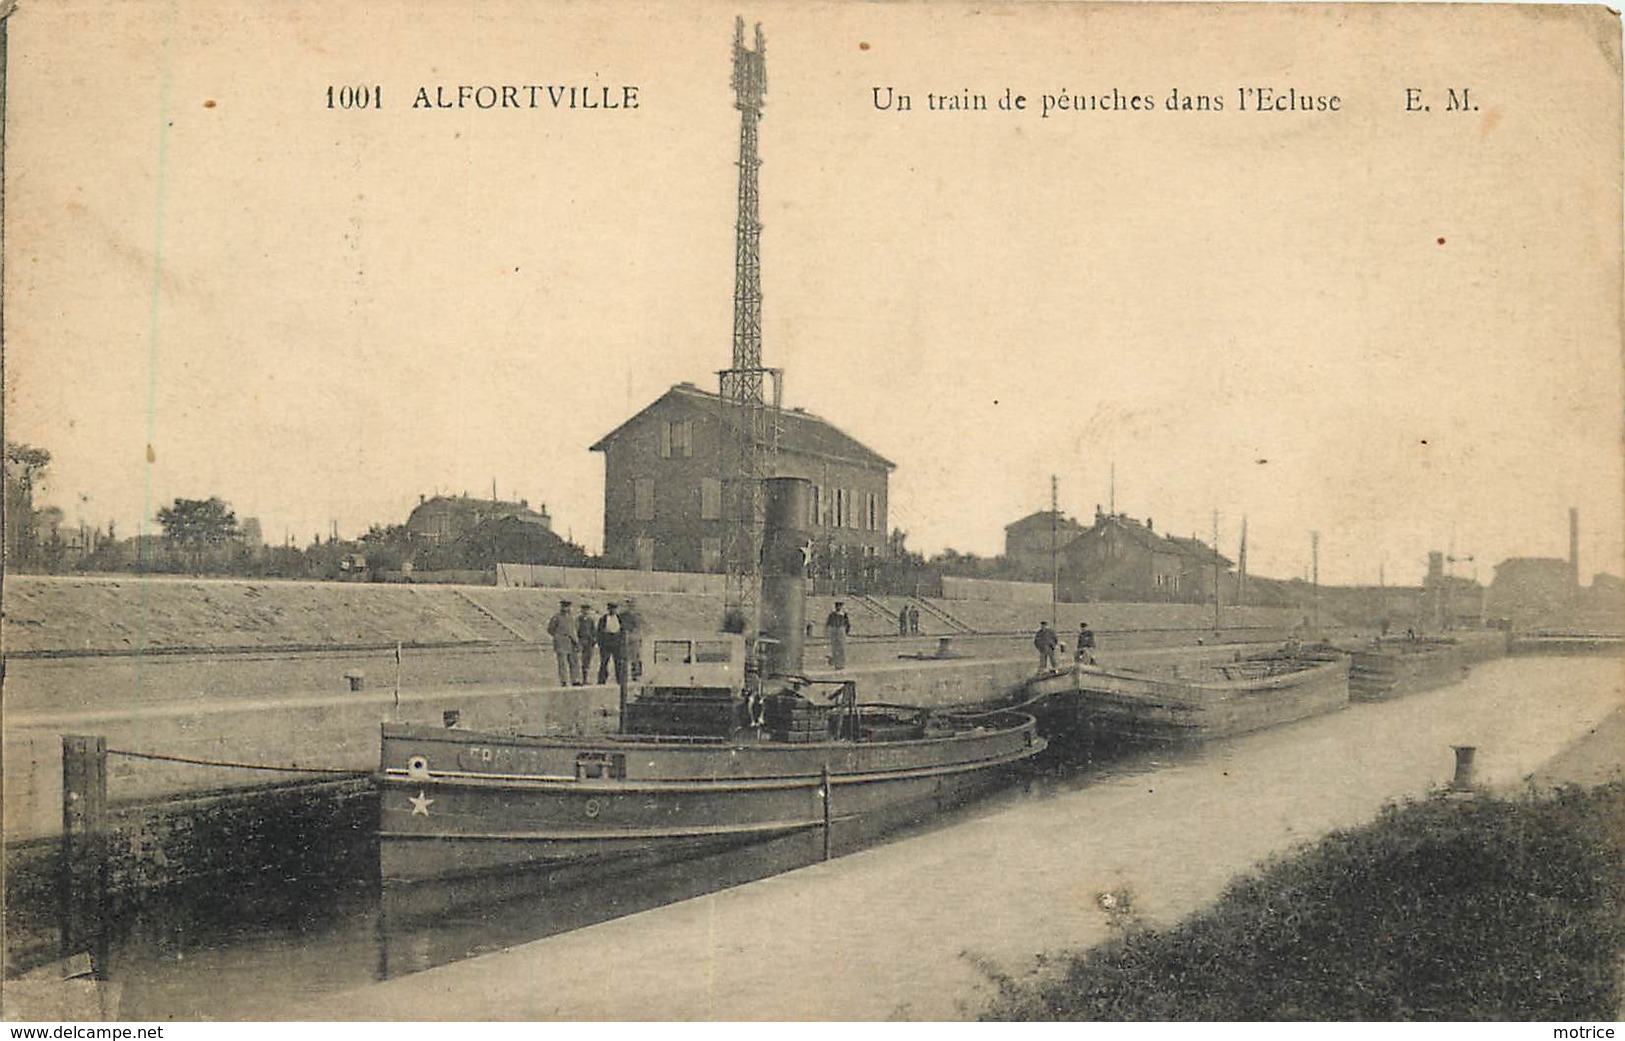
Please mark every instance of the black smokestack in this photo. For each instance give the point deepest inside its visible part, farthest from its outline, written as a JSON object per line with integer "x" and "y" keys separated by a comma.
{"x": 1574, "y": 546}
{"x": 784, "y": 572}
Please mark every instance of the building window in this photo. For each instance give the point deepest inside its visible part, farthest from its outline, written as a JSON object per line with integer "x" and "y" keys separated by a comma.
{"x": 815, "y": 506}
{"x": 643, "y": 499}
{"x": 871, "y": 513}
{"x": 677, "y": 439}
{"x": 851, "y": 509}
{"x": 710, "y": 498}
{"x": 711, "y": 555}
{"x": 645, "y": 549}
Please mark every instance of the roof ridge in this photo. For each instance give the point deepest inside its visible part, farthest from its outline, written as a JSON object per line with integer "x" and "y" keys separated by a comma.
{"x": 847, "y": 447}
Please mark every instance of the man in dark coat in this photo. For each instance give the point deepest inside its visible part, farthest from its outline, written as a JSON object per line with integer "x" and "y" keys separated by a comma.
{"x": 587, "y": 634}
{"x": 837, "y": 626}
{"x": 632, "y": 639}
{"x": 1084, "y": 653}
{"x": 562, "y": 628}
{"x": 1046, "y": 641}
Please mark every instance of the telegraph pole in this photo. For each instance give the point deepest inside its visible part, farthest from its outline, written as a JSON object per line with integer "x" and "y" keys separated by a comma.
{"x": 1215, "y": 571}
{"x": 1054, "y": 549}
{"x": 1314, "y": 557}
{"x": 1241, "y": 565}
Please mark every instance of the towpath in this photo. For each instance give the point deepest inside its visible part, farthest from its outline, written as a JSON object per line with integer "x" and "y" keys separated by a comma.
{"x": 909, "y": 930}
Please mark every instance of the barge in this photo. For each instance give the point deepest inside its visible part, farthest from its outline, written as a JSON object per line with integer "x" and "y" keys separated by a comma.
{"x": 1177, "y": 704}
{"x": 1394, "y": 667}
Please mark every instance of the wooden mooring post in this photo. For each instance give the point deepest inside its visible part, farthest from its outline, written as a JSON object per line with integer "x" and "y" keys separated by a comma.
{"x": 83, "y": 877}
{"x": 824, "y": 789}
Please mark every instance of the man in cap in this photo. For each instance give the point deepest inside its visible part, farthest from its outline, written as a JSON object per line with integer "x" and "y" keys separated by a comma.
{"x": 1046, "y": 641}
{"x": 1084, "y": 653}
{"x": 610, "y": 634}
{"x": 587, "y": 637}
{"x": 632, "y": 639}
{"x": 566, "y": 646}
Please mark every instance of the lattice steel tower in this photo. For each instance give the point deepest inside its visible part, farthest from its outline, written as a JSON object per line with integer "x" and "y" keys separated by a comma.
{"x": 749, "y": 393}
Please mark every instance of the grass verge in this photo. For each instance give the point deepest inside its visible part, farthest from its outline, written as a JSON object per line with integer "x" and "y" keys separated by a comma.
{"x": 1484, "y": 909}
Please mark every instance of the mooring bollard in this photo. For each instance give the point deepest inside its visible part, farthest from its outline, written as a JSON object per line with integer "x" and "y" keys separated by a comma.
{"x": 357, "y": 679}
{"x": 83, "y": 878}
{"x": 1463, "y": 781}
{"x": 945, "y": 646}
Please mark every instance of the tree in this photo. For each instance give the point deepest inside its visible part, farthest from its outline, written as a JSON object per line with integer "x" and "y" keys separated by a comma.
{"x": 198, "y": 525}
{"x": 24, "y": 468}
{"x": 26, "y": 461}
{"x": 387, "y": 547}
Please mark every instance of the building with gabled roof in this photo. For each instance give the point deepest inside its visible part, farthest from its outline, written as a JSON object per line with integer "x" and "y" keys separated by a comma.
{"x": 1028, "y": 542}
{"x": 443, "y": 519}
{"x": 1198, "y": 552}
{"x": 663, "y": 494}
{"x": 1120, "y": 558}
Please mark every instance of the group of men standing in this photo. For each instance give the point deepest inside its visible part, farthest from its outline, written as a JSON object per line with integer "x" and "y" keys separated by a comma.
{"x": 1048, "y": 641}
{"x": 908, "y": 620}
{"x": 615, "y": 637}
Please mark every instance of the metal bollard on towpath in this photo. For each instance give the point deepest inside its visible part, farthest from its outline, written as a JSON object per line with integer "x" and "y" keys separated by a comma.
{"x": 1463, "y": 781}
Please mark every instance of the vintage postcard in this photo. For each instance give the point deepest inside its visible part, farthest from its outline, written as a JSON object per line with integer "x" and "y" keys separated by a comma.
{"x": 812, "y": 511}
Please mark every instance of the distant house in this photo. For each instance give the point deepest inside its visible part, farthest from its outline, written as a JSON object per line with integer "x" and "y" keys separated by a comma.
{"x": 1120, "y": 558}
{"x": 515, "y": 540}
{"x": 663, "y": 490}
{"x": 1600, "y": 607}
{"x": 1531, "y": 591}
{"x": 1539, "y": 593}
{"x": 1610, "y": 587}
{"x": 446, "y": 518}
{"x": 1028, "y": 543}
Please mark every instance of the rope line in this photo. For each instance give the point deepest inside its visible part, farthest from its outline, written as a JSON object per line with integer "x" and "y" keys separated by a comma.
{"x": 1014, "y": 707}
{"x": 235, "y": 766}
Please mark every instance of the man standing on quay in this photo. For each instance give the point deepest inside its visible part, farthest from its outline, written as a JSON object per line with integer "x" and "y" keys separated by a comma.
{"x": 1046, "y": 641}
{"x": 587, "y": 637}
{"x": 609, "y": 645}
{"x": 1085, "y": 652}
{"x": 566, "y": 647}
{"x": 632, "y": 640}
{"x": 836, "y": 627}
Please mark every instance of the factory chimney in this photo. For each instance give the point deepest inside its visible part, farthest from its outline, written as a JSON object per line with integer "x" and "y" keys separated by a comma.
{"x": 1574, "y": 546}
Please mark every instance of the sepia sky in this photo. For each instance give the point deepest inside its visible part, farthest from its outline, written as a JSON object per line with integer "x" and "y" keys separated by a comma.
{"x": 1401, "y": 329}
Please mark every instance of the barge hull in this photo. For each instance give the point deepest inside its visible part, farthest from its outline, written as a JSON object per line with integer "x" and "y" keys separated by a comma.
{"x": 1095, "y": 705}
{"x": 439, "y": 819}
